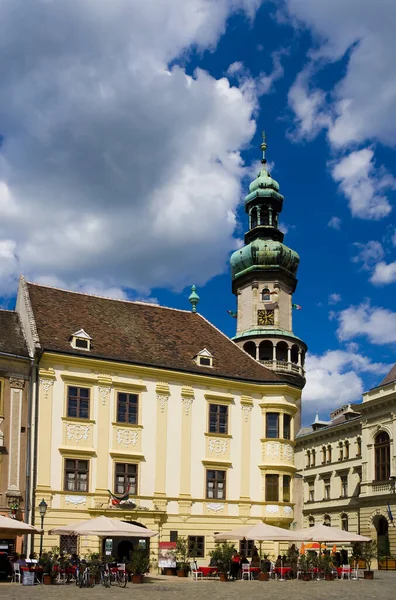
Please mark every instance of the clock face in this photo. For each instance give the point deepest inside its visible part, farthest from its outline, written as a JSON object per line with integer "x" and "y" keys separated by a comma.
{"x": 265, "y": 317}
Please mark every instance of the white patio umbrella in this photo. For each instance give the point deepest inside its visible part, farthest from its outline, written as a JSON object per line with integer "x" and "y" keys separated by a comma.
{"x": 323, "y": 533}
{"x": 104, "y": 527}
{"x": 259, "y": 532}
{"x": 13, "y": 527}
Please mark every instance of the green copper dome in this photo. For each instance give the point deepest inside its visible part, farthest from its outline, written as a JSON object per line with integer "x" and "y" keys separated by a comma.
{"x": 263, "y": 254}
{"x": 264, "y": 180}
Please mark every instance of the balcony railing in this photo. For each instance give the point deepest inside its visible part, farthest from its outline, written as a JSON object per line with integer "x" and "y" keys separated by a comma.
{"x": 281, "y": 365}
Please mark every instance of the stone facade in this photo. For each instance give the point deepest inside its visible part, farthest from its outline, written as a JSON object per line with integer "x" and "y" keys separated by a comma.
{"x": 347, "y": 468}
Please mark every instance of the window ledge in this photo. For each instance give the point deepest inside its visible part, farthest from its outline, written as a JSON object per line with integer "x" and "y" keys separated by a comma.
{"x": 219, "y": 435}
{"x": 78, "y": 420}
{"x": 129, "y": 425}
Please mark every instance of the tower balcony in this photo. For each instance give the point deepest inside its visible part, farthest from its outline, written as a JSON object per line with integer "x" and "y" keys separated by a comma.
{"x": 280, "y": 365}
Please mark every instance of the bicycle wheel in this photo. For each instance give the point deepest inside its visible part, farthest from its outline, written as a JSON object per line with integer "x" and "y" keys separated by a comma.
{"x": 113, "y": 578}
{"x": 121, "y": 579}
{"x": 81, "y": 582}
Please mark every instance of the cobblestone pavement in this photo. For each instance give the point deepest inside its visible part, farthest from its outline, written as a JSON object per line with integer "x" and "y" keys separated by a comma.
{"x": 383, "y": 586}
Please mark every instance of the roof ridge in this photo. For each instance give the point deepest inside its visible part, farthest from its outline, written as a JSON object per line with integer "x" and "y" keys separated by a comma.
{"x": 8, "y": 310}
{"x": 239, "y": 348}
{"x": 140, "y": 302}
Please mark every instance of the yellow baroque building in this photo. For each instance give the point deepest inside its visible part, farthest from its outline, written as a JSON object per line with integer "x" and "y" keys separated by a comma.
{"x": 155, "y": 403}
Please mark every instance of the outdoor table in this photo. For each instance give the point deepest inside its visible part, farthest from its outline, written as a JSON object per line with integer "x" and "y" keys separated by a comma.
{"x": 282, "y": 571}
{"x": 208, "y": 571}
{"x": 255, "y": 571}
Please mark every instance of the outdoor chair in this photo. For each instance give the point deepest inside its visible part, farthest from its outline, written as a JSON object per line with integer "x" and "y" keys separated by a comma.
{"x": 354, "y": 573}
{"x": 345, "y": 572}
{"x": 195, "y": 573}
{"x": 246, "y": 571}
{"x": 16, "y": 577}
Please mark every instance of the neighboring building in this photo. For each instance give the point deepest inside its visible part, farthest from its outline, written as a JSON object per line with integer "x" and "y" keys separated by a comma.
{"x": 264, "y": 279}
{"x": 14, "y": 388}
{"x": 348, "y": 467}
{"x": 158, "y": 402}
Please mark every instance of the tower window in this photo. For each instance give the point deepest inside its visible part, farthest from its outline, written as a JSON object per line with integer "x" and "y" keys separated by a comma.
{"x": 265, "y": 295}
{"x": 253, "y": 219}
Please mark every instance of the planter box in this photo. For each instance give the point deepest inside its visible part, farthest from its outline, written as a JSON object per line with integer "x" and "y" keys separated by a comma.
{"x": 368, "y": 575}
{"x": 137, "y": 578}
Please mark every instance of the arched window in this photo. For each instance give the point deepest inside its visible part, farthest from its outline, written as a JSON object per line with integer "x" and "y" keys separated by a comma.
{"x": 265, "y": 295}
{"x": 253, "y": 218}
{"x": 311, "y": 521}
{"x": 266, "y": 350}
{"x": 250, "y": 348}
{"x": 344, "y": 522}
{"x": 382, "y": 456}
{"x": 327, "y": 520}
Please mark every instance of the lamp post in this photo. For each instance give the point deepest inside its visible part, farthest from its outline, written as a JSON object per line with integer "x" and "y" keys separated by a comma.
{"x": 42, "y": 510}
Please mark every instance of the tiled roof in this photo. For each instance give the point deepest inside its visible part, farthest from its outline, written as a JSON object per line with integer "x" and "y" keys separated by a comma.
{"x": 12, "y": 340}
{"x": 139, "y": 333}
{"x": 390, "y": 377}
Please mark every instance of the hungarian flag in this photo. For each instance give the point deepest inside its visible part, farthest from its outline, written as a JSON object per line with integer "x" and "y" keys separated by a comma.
{"x": 232, "y": 313}
{"x": 116, "y": 500}
{"x": 296, "y": 306}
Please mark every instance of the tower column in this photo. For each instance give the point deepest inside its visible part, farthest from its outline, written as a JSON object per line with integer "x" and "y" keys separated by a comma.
{"x": 270, "y": 215}
{"x": 274, "y": 355}
{"x": 299, "y": 363}
{"x": 289, "y": 358}
{"x": 257, "y": 351}
{"x": 258, "y": 216}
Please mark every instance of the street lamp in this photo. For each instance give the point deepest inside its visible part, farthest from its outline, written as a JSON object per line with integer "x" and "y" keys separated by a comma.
{"x": 42, "y": 510}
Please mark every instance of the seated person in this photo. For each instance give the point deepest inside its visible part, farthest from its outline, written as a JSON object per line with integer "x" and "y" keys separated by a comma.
{"x": 244, "y": 559}
{"x": 278, "y": 562}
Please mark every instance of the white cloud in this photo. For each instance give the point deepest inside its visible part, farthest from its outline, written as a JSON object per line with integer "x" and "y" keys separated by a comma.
{"x": 363, "y": 101}
{"x": 384, "y": 273}
{"x": 369, "y": 254}
{"x": 363, "y": 185}
{"x": 116, "y": 166}
{"x": 334, "y": 379}
{"x": 284, "y": 228}
{"x": 376, "y": 323}
{"x": 334, "y": 223}
{"x": 263, "y": 83}
{"x": 394, "y": 238}
{"x": 334, "y": 298}
{"x": 361, "y": 107}
{"x": 308, "y": 106}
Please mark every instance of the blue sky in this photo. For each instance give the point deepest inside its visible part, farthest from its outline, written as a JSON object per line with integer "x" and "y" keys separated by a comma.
{"x": 130, "y": 133}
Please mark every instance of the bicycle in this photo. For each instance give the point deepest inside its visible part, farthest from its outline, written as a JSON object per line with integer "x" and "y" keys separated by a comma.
{"x": 118, "y": 576}
{"x": 83, "y": 578}
{"x": 105, "y": 576}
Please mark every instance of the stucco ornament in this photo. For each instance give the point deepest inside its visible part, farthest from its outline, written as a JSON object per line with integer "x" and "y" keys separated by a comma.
{"x": 287, "y": 510}
{"x": 46, "y": 384}
{"x": 127, "y": 437}
{"x": 218, "y": 446}
{"x": 272, "y": 449}
{"x": 104, "y": 393}
{"x": 162, "y": 399}
{"x": 187, "y": 403}
{"x": 77, "y": 432}
{"x": 272, "y": 509}
{"x": 246, "y": 412}
{"x": 16, "y": 384}
{"x": 76, "y": 500}
{"x": 215, "y": 507}
{"x": 288, "y": 452}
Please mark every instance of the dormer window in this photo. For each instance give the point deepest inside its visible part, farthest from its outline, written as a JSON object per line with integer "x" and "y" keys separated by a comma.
{"x": 204, "y": 358}
{"x": 81, "y": 340}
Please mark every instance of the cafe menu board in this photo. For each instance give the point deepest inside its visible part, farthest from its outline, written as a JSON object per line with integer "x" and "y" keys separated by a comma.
{"x": 28, "y": 578}
{"x": 166, "y": 555}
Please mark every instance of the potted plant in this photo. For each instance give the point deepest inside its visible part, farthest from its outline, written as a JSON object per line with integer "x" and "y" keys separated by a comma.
{"x": 221, "y": 558}
{"x": 304, "y": 566}
{"x": 182, "y": 556}
{"x": 369, "y": 552}
{"x": 47, "y": 562}
{"x": 264, "y": 566}
{"x": 326, "y": 565}
{"x": 139, "y": 564}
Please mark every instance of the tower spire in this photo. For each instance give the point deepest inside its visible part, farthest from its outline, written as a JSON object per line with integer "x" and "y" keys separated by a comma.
{"x": 263, "y": 147}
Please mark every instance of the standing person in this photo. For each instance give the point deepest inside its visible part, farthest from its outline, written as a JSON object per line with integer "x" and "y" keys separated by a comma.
{"x": 235, "y": 565}
{"x": 344, "y": 556}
